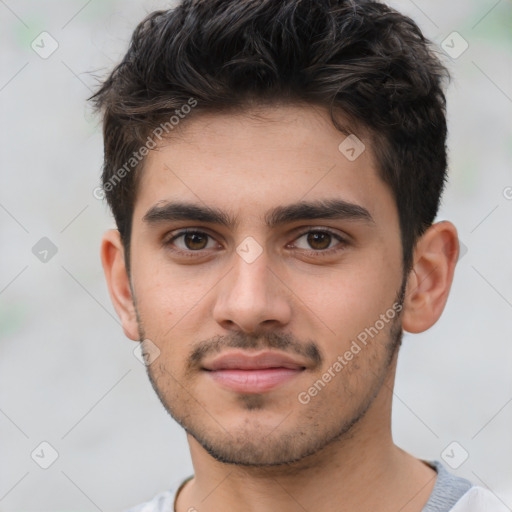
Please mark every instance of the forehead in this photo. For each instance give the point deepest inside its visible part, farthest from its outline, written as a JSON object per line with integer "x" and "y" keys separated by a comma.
{"x": 248, "y": 163}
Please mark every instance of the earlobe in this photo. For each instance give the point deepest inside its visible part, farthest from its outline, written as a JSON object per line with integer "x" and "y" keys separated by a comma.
{"x": 431, "y": 277}
{"x": 118, "y": 282}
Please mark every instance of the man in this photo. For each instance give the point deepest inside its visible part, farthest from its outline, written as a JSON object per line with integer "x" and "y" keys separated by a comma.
{"x": 274, "y": 169}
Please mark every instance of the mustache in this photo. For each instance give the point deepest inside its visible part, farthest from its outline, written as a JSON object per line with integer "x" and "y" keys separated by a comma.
{"x": 284, "y": 342}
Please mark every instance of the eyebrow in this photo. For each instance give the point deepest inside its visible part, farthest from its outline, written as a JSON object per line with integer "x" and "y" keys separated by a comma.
{"x": 337, "y": 209}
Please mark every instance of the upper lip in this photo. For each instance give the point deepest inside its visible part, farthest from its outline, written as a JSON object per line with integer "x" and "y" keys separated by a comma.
{"x": 247, "y": 361}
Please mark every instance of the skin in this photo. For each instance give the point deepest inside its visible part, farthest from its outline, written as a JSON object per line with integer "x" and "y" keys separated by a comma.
{"x": 268, "y": 451}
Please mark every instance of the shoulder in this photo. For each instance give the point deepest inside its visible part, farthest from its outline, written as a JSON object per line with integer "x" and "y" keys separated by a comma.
{"x": 479, "y": 499}
{"x": 457, "y": 494}
{"x": 162, "y": 502}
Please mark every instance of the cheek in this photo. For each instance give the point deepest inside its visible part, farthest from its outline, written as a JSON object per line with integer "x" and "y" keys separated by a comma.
{"x": 350, "y": 295}
{"x": 164, "y": 290}
{"x": 348, "y": 302}
{"x": 171, "y": 304}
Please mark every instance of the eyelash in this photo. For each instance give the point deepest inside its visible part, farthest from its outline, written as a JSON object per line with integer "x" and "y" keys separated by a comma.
{"x": 321, "y": 252}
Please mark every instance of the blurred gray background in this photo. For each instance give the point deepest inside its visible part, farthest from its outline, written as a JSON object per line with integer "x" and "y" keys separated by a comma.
{"x": 68, "y": 376}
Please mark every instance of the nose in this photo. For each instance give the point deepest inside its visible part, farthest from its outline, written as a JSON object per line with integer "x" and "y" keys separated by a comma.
{"x": 252, "y": 297}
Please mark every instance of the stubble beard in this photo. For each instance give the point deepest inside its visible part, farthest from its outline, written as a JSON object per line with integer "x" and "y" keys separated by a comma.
{"x": 282, "y": 445}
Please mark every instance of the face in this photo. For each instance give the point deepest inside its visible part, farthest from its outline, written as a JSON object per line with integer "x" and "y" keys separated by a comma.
{"x": 256, "y": 236}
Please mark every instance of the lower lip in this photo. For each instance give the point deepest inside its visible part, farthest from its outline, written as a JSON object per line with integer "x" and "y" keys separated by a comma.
{"x": 253, "y": 381}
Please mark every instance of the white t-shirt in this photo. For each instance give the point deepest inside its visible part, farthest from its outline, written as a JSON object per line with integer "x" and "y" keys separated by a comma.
{"x": 450, "y": 494}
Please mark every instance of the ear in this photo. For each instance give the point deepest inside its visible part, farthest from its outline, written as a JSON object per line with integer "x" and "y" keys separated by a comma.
{"x": 118, "y": 282}
{"x": 430, "y": 279}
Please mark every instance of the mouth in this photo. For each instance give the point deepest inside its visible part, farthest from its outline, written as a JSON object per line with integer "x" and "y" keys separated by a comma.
{"x": 242, "y": 372}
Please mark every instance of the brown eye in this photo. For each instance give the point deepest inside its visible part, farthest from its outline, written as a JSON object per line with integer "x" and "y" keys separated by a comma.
{"x": 195, "y": 241}
{"x": 192, "y": 241}
{"x": 319, "y": 240}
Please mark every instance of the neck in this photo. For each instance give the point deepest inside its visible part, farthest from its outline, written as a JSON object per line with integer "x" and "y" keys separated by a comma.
{"x": 362, "y": 470}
